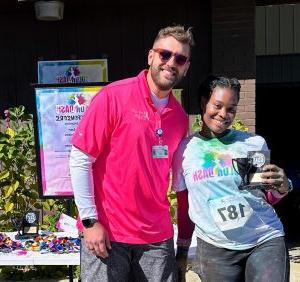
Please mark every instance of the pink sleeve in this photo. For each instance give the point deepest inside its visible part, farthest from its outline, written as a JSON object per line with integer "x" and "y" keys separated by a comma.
{"x": 185, "y": 225}
{"x": 273, "y": 197}
{"x": 94, "y": 129}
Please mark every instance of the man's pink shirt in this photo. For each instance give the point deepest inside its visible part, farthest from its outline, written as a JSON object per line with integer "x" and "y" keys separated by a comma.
{"x": 119, "y": 130}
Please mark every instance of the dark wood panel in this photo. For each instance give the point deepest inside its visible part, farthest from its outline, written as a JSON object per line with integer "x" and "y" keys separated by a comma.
{"x": 278, "y": 69}
{"x": 275, "y": 2}
{"x": 7, "y": 65}
{"x": 199, "y": 17}
{"x": 134, "y": 51}
{"x": 233, "y": 38}
{"x": 123, "y": 33}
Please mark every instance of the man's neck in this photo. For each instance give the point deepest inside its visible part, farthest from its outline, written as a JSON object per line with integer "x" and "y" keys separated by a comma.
{"x": 160, "y": 94}
{"x": 154, "y": 90}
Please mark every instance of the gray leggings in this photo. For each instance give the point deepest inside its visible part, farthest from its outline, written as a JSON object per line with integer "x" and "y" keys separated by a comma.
{"x": 268, "y": 262}
{"x": 130, "y": 262}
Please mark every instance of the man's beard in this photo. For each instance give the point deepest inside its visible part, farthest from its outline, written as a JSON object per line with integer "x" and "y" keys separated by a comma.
{"x": 163, "y": 83}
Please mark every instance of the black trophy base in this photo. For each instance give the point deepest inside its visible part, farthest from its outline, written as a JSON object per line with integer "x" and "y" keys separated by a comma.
{"x": 25, "y": 236}
{"x": 263, "y": 187}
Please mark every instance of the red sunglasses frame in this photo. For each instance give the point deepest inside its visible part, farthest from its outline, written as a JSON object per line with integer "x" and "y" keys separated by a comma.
{"x": 180, "y": 59}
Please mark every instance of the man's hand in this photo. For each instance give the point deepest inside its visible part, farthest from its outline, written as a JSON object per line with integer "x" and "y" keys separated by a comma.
{"x": 96, "y": 239}
{"x": 181, "y": 261}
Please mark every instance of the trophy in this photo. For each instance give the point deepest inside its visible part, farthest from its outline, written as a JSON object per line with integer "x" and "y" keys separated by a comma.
{"x": 259, "y": 160}
{"x": 28, "y": 225}
{"x": 250, "y": 169}
{"x": 242, "y": 166}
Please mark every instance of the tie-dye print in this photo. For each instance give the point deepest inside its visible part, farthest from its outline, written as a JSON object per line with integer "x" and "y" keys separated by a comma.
{"x": 224, "y": 215}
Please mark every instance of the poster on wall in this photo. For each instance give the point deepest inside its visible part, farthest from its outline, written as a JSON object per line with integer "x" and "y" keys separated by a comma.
{"x": 72, "y": 71}
{"x": 58, "y": 112}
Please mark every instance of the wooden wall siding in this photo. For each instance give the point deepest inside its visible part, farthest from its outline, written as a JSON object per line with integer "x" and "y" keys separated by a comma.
{"x": 297, "y": 30}
{"x": 122, "y": 33}
{"x": 260, "y": 30}
{"x": 278, "y": 69}
{"x": 233, "y": 32}
{"x": 272, "y": 30}
{"x": 275, "y": 2}
{"x": 278, "y": 29}
{"x": 286, "y": 29}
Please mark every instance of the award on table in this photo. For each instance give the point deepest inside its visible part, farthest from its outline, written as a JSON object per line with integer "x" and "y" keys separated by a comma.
{"x": 250, "y": 169}
{"x": 29, "y": 225}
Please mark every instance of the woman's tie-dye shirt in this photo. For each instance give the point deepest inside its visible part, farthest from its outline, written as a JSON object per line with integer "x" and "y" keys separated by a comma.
{"x": 224, "y": 215}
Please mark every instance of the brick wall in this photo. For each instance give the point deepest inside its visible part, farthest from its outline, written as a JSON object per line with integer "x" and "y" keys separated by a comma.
{"x": 246, "y": 107}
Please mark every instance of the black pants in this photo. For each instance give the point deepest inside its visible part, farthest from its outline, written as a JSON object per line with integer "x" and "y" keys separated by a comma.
{"x": 268, "y": 262}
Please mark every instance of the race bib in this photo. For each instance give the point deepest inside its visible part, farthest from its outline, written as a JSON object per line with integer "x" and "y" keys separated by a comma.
{"x": 230, "y": 212}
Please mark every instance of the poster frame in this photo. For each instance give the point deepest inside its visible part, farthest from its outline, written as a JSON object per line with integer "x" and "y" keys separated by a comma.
{"x": 37, "y": 135}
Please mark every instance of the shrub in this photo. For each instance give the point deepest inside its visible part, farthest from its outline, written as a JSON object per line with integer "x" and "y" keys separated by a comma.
{"x": 19, "y": 188}
{"x": 18, "y": 181}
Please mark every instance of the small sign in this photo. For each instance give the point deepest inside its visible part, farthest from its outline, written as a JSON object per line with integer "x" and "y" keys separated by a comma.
{"x": 66, "y": 223}
{"x": 72, "y": 71}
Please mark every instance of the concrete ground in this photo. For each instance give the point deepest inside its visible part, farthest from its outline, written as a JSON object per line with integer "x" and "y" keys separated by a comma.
{"x": 294, "y": 250}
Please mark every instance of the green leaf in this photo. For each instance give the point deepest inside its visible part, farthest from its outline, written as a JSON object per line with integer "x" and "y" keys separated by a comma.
{"x": 4, "y": 216}
{"x": 4, "y": 174}
{"x": 173, "y": 201}
{"x": 7, "y": 191}
{"x": 8, "y": 207}
{"x": 15, "y": 185}
{"x": 239, "y": 125}
{"x": 10, "y": 132}
{"x": 38, "y": 205}
{"x": 172, "y": 195}
{"x": 46, "y": 206}
{"x": 21, "y": 200}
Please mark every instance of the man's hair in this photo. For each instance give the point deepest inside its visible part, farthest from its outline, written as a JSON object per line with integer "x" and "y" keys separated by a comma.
{"x": 211, "y": 82}
{"x": 179, "y": 33}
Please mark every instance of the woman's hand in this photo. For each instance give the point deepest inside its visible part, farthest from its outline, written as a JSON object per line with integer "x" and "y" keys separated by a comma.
{"x": 276, "y": 178}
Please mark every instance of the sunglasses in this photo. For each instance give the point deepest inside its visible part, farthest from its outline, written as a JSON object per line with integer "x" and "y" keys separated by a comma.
{"x": 166, "y": 55}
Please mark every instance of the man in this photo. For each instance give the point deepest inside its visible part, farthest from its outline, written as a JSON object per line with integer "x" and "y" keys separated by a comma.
{"x": 120, "y": 162}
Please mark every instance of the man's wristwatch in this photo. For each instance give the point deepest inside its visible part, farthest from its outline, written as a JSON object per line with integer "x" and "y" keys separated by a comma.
{"x": 89, "y": 222}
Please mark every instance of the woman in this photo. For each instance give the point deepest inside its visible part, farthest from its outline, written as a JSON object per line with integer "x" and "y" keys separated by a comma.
{"x": 239, "y": 235}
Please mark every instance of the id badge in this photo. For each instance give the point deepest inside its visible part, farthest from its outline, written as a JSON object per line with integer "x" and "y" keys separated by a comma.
{"x": 160, "y": 152}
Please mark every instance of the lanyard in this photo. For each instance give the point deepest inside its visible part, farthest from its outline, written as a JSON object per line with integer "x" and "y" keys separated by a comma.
{"x": 158, "y": 130}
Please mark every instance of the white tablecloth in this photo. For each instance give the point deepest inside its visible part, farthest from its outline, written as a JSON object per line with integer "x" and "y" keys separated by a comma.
{"x": 37, "y": 258}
